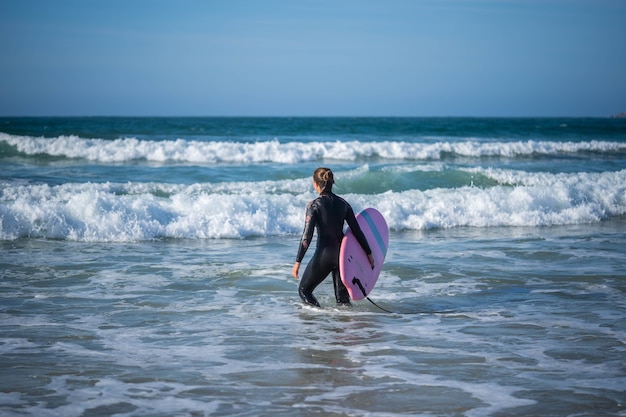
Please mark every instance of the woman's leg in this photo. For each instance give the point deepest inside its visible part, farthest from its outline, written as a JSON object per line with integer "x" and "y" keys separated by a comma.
{"x": 311, "y": 278}
{"x": 341, "y": 292}
{"x": 322, "y": 263}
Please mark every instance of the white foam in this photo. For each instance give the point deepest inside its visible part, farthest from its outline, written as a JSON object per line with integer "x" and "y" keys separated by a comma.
{"x": 132, "y": 211}
{"x": 495, "y": 396}
{"x": 533, "y": 200}
{"x": 208, "y": 152}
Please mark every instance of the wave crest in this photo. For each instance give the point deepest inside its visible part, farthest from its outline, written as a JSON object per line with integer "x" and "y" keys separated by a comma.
{"x": 212, "y": 152}
{"x": 138, "y": 211}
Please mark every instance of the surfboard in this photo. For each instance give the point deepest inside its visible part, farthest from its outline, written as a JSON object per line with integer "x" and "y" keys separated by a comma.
{"x": 355, "y": 270}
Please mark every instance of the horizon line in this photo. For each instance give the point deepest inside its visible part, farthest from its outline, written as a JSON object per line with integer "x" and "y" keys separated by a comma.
{"x": 611, "y": 116}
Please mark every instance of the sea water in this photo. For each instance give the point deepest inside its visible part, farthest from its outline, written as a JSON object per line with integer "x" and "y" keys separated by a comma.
{"x": 145, "y": 268}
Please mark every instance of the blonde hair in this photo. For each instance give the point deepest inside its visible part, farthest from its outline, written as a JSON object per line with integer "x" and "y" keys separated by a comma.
{"x": 324, "y": 178}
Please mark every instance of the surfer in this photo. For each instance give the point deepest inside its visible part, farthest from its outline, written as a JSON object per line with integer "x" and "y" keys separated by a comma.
{"x": 327, "y": 213}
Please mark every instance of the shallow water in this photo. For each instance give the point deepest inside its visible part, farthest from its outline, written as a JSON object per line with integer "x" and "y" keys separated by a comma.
{"x": 506, "y": 321}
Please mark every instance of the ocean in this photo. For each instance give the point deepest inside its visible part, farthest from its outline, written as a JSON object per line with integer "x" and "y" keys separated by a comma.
{"x": 145, "y": 267}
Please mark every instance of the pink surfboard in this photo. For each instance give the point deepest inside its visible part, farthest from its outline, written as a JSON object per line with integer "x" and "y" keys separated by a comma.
{"x": 356, "y": 273}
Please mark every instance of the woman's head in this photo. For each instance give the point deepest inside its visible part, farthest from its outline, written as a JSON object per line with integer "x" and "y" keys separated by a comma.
{"x": 324, "y": 179}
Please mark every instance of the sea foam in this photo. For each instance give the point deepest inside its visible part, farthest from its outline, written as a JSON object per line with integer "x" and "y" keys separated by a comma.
{"x": 139, "y": 211}
{"x": 210, "y": 152}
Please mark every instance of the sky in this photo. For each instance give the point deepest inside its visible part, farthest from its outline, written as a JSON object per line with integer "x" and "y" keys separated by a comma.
{"x": 479, "y": 58}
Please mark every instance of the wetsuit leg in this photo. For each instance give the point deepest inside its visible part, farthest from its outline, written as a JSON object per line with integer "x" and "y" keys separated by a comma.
{"x": 341, "y": 292}
{"x": 322, "y": 263}
{"x": 311, "y": 278}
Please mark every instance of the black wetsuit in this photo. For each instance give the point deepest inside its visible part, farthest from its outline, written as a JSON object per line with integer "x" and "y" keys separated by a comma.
{"x": 327, "y": 213}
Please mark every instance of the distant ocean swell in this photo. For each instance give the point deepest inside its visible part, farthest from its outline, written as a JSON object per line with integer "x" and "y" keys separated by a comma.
{"x": 203, "y": 152}
{"x": 145, "y": 211}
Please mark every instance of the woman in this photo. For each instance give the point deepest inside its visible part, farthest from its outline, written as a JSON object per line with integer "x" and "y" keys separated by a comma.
{"x": 327, "y": 213}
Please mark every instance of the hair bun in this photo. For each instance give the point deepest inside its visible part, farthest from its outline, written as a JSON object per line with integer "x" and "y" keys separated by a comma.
{"x": 328, "y": 176}
{"x": 324, "y": 178}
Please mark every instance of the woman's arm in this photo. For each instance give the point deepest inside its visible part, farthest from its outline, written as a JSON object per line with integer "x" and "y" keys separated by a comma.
{"x": 358, "y": 233}
{"x": 307, "y": 235}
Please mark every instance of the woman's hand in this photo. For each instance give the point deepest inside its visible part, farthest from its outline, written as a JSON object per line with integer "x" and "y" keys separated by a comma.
{"x": 295, "y": 270}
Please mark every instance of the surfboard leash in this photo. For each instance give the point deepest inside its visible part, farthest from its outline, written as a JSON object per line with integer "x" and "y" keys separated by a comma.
{"x": 383, "y": 309}
{"x": 411, "y": 312}
{"x": 357, "y": 281}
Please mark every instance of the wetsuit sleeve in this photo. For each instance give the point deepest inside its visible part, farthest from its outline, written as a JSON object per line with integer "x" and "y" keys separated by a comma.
{"x": 356, "y": 230}
{"x": 307, "y": 234}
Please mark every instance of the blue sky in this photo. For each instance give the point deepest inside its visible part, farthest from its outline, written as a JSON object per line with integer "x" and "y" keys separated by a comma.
{"x": 313, "y": 58}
